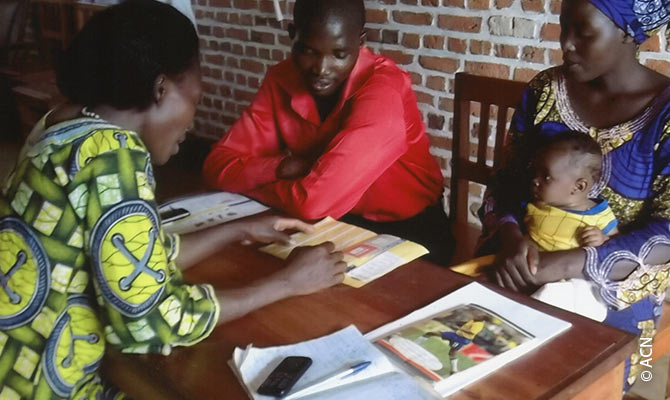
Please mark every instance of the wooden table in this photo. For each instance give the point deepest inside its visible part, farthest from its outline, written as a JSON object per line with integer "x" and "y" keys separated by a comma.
{"x": 584, "y": 362}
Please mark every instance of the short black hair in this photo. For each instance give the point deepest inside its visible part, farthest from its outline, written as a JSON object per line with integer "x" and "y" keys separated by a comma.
{"x": 306, "y": 12}
{"x": 120, "y": 52}
{"x": 578, "y": 144}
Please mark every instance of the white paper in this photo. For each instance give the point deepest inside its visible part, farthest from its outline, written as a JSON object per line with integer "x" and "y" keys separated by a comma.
{"x": 331, "y": 354}
{"x": 209, "y": 209}
{"x": 539, "y": 325}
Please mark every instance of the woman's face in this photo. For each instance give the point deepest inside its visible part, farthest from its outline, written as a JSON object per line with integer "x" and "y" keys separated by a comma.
{"x": 590, "y": 41}
{"x": 171, "y": 117}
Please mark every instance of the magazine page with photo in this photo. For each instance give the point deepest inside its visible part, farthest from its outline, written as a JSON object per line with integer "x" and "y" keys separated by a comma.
{"x": 464, "y": 336}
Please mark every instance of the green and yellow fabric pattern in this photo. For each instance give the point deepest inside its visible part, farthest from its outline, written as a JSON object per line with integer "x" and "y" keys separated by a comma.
{"x": 84, "y": 261}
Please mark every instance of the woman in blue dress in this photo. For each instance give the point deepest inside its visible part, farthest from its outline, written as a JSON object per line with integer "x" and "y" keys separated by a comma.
{"x": 602, "y": 90}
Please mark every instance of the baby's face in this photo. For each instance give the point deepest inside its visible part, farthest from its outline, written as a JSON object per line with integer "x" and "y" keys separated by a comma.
{"x": 555, "y": 177}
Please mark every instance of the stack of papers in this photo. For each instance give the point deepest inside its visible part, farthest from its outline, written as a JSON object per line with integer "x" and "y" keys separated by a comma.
{"x": 428, "y": 354}
{"x": 331, "y": 354}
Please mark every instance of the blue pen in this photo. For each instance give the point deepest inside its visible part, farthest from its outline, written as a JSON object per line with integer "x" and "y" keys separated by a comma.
{"x": 331, "y": 381}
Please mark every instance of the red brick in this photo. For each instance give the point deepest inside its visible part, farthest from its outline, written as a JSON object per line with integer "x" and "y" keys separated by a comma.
{"x": 524, "y": 74}
{"x": 506, "y": 51}
{"x": 651, "y": 44}
{"x": 374, "y": 35}
{"x": 245, "y": 4}
{"x": 433, "y": 41}
{"x": 219, "y": 32}
{"x": 252, "y": 66}
{"x": 411, "y": 18}
{"x": 503, "y": 3}
{"x": 239, "y": 34}
{"x": 411, "y": 40}
{"x": 263, "y": 37}
{"x": 555, "y": 7}
{"x": 446, "y": 104}
{"x": 376, "y": 16}
{"x": 241, "y": 79}
{"x": 457, "y": 45}
{"x": 660, "y": 66}
{"x": 551, "y": 32}
{"x": 278, "y": 55}
{"x": 435, "y": 83}
{"x": 479, "y": 4}
{"x": 480, "y": 47}
{"x": 220, "y": 3}
{"x": 532, "y": 5}
{"x": 458, "y": 23}
{"x": 435, "y": 121}
{"x": 216, "y": 59}
{"x": 431, "y": 3}
{"x": 440, "y": 142}
{"x": 246, "y": 19}
{"x": 400, "y": 57}
{"x": 454, "y": 3}
{"x": 532, "y": 54}
{"x": 443, "y": 64}
{"x": 487, "y": 69}
{"x": 423, "y": 97}
{"x": 244, "y": 95}
{"x": 416, "y": 78}
{"x": 250, "y": 51}
{"x": 410, "y": 2}
{"x": 267, "y": 6}
{"x": 555, "y": 56}
{"x": 237, "y": 49}
{"x": 221, "y": 17}
{"x": 390, "y": 37}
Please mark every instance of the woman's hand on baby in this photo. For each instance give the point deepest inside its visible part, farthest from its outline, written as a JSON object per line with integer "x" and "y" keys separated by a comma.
{"x": 592, "y": 236}
{"x": 516, "y": 262}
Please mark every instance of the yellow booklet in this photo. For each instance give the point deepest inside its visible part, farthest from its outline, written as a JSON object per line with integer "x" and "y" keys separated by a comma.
{"x": 367, "y": 254}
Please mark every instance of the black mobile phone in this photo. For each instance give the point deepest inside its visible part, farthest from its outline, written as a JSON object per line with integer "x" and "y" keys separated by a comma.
{"x": 282, "y": 378}
{"x": 173, "y": 214}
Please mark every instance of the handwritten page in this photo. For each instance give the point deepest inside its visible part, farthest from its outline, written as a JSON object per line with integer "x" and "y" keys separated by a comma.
{"x": 209, "y": 209}
{"x": 368, "y": 255}
{"x": 331, "y": 354}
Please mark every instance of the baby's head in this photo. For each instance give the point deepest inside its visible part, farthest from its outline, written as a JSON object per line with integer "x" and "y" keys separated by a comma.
{"x": 567, "y": 165}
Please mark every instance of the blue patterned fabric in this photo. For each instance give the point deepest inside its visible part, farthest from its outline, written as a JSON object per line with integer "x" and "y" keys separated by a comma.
{"x": 636, "y": 17}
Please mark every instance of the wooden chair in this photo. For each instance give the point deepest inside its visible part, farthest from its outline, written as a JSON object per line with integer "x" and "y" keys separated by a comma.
{"x": 84, "y": 10}
{"x": 56, "y": 26}
{"x": 473, "y": 162}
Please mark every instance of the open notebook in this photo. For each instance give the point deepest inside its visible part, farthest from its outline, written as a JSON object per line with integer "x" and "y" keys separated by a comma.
{"x": 427, "y": 354}
{"x": 367, "y": 254}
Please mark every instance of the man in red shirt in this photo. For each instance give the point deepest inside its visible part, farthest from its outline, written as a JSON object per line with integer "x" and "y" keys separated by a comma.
{"x": 336, "y": 130}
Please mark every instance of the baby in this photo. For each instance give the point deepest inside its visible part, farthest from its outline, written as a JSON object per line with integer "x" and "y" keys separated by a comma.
{"x": 563, "y": 216}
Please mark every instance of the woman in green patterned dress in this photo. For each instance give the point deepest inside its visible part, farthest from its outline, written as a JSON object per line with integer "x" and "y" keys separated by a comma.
{"x": 83, "y": 258}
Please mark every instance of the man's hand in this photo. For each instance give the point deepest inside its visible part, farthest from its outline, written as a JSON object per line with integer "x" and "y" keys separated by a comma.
{"x": 592, "y": 236}
{"x": 293, "y": 167}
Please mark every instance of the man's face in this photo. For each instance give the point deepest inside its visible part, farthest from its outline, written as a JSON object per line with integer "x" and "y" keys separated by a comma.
{"x": 325, "y": 54}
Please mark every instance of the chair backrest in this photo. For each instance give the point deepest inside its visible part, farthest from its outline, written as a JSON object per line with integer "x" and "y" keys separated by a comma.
{"x": 505, "y": 95}
{"x": 13, "y": 19}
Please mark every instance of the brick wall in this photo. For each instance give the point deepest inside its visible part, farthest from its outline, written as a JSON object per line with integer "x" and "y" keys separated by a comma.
{"x": 431, "y": 39}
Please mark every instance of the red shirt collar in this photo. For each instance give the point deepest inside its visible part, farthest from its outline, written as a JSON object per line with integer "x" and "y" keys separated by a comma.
{"x": 302, "y": 101}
